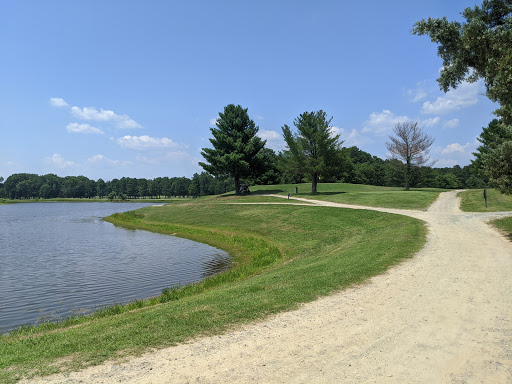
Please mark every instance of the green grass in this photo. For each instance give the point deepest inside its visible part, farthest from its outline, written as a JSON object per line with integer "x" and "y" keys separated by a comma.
{"x": 356, "y": 194}
{"x": 473, "y": 201}
{"x": 282, "y": 255}
{"x": 505, "y": 226}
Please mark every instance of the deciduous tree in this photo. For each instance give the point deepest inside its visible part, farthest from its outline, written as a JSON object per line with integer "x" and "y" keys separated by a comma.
{"x": 481, "y": 47}
{"x": 410, "y": 145}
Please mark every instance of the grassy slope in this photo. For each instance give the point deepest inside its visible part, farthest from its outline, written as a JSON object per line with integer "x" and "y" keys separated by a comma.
{"x": 284, "y": 256}
{"x": 367, "y": 195}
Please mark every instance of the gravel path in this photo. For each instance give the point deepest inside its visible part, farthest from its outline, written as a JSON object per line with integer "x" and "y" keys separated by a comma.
{"x": 444, "y": 316}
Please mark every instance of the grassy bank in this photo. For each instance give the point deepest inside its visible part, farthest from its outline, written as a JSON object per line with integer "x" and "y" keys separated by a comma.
{"x": 283, "y": 256}
{"x": 356, "y": 194}
{"x": 473, "y": 201}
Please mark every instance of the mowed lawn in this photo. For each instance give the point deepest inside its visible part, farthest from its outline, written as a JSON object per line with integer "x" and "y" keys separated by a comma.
{"x": 473, "y": 201}
{"x": 357, "y": 194}
{"x": 282, "y": 256}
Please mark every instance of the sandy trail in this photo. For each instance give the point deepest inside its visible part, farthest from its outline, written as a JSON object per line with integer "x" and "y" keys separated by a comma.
{"x": 443, "y": 317}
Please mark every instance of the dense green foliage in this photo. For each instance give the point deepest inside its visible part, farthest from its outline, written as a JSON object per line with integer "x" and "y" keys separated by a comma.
{"x": 236, "y": 148}
{"x": 481, "y": 48}
{"x": 31, "y": 186}
{"x": 313, "y": 149}
{"x": 356, "y": 167}
{"x": 313, "y": 252}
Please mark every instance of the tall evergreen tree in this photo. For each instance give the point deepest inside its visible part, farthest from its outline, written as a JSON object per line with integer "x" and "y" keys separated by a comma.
{"x": 236, "y": 147}
{"x": 313, "y": 149}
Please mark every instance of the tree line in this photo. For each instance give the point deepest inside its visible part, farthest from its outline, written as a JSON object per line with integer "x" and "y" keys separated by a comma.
{"x": 354, "y": 166}
{"x": 32, "y": 186}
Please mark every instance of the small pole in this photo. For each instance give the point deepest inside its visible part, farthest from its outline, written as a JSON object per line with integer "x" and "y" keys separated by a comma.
{"x": 288, "y": 196}
{"x": 485, "y": 197}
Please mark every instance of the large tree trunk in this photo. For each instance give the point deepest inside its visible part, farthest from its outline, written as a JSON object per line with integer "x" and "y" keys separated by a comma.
{"x": 407, "y": 174}
{"x": 314, "y": 178}
{"x": 237, "y": 185}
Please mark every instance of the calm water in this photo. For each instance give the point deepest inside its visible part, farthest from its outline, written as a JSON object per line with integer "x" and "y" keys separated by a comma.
{"x": 60, "y": 258}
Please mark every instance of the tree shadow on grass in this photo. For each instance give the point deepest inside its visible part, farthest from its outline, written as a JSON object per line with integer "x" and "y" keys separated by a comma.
{"x": 322, "y": 194}
{"x": 267, "y": 191}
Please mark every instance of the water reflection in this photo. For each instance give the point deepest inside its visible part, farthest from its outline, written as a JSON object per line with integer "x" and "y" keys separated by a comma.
{"x": 59, "y": 259}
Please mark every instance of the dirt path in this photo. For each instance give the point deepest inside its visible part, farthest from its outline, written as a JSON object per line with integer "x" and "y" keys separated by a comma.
{"x": 443, "y": 317}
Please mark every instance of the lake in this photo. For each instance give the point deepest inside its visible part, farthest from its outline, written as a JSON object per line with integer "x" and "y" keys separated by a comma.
{"x": 58, "y": 259}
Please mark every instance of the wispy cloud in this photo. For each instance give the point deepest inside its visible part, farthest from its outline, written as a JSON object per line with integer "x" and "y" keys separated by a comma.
{"x": 58, "y": 161}
{"x": 382, "y": 123}
{"x": 103, "y": 115}
{"x": 274, "y": 139}
{"x": 430, "y": 122}
{"x": 354, "y": 138}
{"x": 455, "y": 147}
{"x": 83, "y": 128}
{"x": 419, "y": 93}
{"x": 454, "y": 153}
{"x": 453, "y": 123}
{"x": 58, "y": 102}
{"x": 101, "y": 160}
{"x": 146, "y": 142}
{"x": 465, "y": 95}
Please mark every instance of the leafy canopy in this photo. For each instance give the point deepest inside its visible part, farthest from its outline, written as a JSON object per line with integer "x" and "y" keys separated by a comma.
{"x": 479, "y": 48}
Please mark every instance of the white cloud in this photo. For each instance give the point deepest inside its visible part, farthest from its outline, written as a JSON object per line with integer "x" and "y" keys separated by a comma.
{"x": 354, "y": 138}
{"x": 453, "y": 123}
{"x": 455, "y": 147}
{"x": 274, "y": 139}
{"x": 83, "y": 128}
{"x": 417, "y": 94}
{"x": 58, "y": 102}
{"x": 121, "y": 121}
{"x": 214, "y": 121}
{"x": 147, "y": 142}
{"x": 58, "y": 161}
{"x": 430, "y": 122}
{"x": 465, "y": 95}
{"x": 172, "y": 157}
{"x": 87, "y": 113}
{"x": 101, "y": 160}
{"x": 454, "y": 154}
{"x": 258, "y": 117}
{"x": 382, "y": 123}
{"x": 335, "y": 131}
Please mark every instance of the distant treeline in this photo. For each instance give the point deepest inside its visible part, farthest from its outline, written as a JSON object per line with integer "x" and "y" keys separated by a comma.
{"x": 356, "y": 167}
{"x": 32, "y": 186}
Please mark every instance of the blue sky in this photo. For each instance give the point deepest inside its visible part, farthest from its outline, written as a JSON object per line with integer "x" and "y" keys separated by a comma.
{"x": 130, "y": 88}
